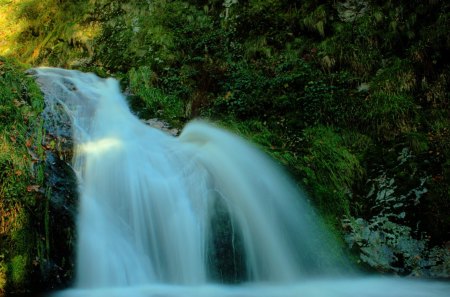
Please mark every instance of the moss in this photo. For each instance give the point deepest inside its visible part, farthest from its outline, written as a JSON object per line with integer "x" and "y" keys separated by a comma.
{"x": 47, "y": 32}
{"x": 330, "y": 170}
{"x": 19, "y": 188}
{"x": 18, "y": 269}
{"x": 2, "y": 275}
{"x": 152, "y": 101}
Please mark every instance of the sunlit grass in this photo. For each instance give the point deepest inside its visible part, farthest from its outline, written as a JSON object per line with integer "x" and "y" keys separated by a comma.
{"x": 10, "y": 26}
{"x": 46, "y": 32}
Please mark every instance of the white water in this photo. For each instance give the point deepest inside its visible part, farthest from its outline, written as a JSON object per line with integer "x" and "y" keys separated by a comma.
{"x": 148, "y": 202}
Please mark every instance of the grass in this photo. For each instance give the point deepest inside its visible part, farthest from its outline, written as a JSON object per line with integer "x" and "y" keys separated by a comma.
{"x": 152, "y": 101}
{"x": 330, "y": 170}
{"x": 47, "y": 32}
{"x": 21, "y": 104}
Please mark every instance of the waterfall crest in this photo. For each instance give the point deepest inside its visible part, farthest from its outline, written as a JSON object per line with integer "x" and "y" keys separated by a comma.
{"x": 148, "y": 200}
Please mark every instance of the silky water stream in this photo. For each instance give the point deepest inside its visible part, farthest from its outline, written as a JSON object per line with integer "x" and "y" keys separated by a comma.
{"x": 153, "y": 210}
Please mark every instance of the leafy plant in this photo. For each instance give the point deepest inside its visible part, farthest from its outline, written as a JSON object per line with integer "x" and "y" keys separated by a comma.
{"x": 330, "y": 170}
{"x": 151, "y": 101}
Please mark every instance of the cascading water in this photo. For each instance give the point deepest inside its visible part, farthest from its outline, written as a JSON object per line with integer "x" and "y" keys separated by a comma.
{"x": 149, "y": 203}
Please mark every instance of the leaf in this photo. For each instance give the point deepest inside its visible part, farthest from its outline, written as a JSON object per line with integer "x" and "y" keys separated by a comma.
{"x": 17, "y": 103}
{"x": 33, "y": 188}
{"x": 227, "y": 95}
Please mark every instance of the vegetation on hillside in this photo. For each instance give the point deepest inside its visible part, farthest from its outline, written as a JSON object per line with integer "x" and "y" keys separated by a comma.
{"x": 20, "y": 203}
{"x": 352, "y": 96}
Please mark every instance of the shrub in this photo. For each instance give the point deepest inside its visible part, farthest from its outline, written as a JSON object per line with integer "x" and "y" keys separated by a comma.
{"x": 152, "y": 101}
{"x": 330, "y": 170}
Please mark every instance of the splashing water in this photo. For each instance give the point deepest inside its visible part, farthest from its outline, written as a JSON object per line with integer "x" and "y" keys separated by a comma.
{"x": 154, "y": 207}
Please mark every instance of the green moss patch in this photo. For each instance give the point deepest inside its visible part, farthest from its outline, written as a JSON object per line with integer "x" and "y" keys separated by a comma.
{"x": 21, "y": 103}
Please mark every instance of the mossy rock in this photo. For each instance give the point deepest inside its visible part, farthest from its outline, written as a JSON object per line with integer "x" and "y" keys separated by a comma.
{"x": 18, "y": 191}
{"x": 26, "y": 222}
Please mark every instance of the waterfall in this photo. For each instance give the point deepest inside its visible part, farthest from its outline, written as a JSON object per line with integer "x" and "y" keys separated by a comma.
{"x": 152, "y": 208}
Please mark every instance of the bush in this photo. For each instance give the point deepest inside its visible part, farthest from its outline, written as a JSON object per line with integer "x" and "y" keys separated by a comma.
{"x": 389, "y": 115}
{"x": 330, "y": 170}
{"x": 152, "y": 101}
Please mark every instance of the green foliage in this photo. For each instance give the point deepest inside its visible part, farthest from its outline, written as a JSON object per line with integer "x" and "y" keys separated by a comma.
{"x": 316, "y": 20}
{"x": 20, "y": 96}
{"x": 357, "y": 143}
{"x": 151, "y": 101}
{"x": 278, "y": 72}
{"x": 397, "y": 77}
{"x": 246, "y": 93}
{"x": 389, "y": 115}
{"x": 18, "y": 269}
{"x": 48, "y": 32}
{"x": 390, "y": 106}
{"x": 255, "y": 131}
{"x": 334, "y": 90}
{"x": 289, "y": 88}
{"x": 330, "y": 170}
{"x": 21, "y": 103}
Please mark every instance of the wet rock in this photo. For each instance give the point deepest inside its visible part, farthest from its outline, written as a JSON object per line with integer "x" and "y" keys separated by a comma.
{"x": 162, "y": 125}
